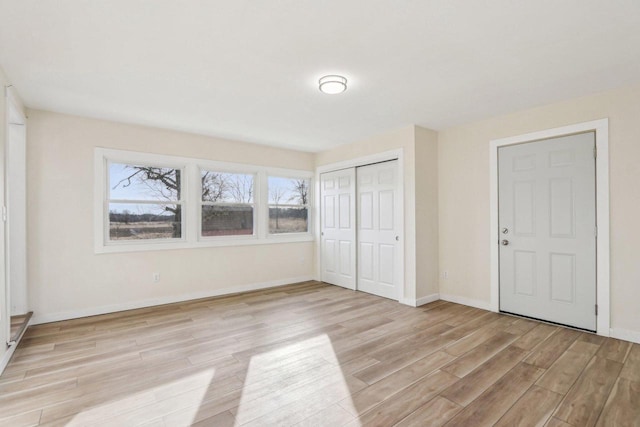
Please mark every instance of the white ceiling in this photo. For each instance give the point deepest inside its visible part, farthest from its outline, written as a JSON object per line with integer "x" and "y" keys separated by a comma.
{"x": 248, "y": 70}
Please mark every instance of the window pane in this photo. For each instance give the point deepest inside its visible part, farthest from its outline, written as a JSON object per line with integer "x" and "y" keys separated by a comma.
{"x": 143, "y": 221}
{"x": 132, "y": 182}
{"x": 288, "y": 220}
{"x": 227, "y": 220}
{"x": 226, "y": 187}
{"x": 288, "y": 191}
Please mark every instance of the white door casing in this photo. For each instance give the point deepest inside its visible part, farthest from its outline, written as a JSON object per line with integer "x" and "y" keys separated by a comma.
{"x": 547, "y": 229}
{"x": 16, "y": 218}
{"x": 378, "y": 210}
{"x": 14, "y": 229}
{"x": 338, "y": 227}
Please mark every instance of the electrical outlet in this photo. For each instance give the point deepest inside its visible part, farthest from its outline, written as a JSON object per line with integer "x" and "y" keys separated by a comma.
{"x": 156, "y": 277}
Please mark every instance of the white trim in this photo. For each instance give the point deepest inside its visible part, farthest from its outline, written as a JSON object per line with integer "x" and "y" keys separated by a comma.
{"x": 626, "y": 335}
{"x": 16, "y": 224}
{"x": 601, "y": 128}
{"x": 360, "y": 161}
{"x": 408, "y": 301}
{"x": 191, "y": 204}
{"x": 397, "y": 154}
{"x": 6, "y": 358}
{"x": 427, "y": 299}
{"x": 466, "y": 301}
{"x": 112, "y": 308}
{"x": 230, "y": 241}
{"x": 14, "y": 115}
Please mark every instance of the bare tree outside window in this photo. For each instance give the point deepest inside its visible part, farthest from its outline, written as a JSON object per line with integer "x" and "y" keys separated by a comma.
{"x": 214, "y": 186}
{"x": 276, "y": 196}
{"x": 288, "y": 205}
{"x": 300, "y": 191}
{"x": 145, "y": 202}
{"x": 227, "y": 204}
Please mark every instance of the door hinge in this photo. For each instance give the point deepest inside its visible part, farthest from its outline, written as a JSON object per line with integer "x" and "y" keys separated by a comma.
{"x": 596, "y": 309}
{"x": 596, "y": 231}
{"x": 595, "y": 152}
{"x": 4, "y": 213}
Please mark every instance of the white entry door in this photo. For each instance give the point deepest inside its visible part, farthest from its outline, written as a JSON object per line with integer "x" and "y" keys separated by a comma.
{"x": 547, "y": 230}
{"x": 378, "y": 229}
{"x": 338, "y": 227}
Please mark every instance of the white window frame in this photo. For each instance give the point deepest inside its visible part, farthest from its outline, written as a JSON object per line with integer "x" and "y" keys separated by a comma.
{"x": 191, "y": 205}
{"x": 286, "y": 205}
{"x": 108, "y": 200}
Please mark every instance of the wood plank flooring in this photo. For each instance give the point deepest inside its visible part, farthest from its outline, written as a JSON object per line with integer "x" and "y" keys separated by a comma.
{"x": 311, "y": 354}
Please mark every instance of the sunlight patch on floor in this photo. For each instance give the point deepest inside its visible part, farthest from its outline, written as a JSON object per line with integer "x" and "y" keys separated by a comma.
{"x": 184, "y": 395}
{"x": 290, "y": 384}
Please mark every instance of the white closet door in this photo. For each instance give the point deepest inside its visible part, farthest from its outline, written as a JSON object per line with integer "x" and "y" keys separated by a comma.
{"x": 338, "y": 227}
{"x": 378, "y": 228}
{"x": 547, "y": 217}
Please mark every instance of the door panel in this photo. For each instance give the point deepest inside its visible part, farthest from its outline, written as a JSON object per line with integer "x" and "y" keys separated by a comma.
{"x": 378, "y": 213}
{"x": 547, "y": 218}
{"x": 563, "y": 278}
{"x": 346, "y": 265}
{"x": 338, "y": 231}
{"x": 385, "y": 201}
{"x": 525, "y": 272}
{"x": 329, "y": 259}
{"x": 344, "y": 203}
{"x": 366, "y": 261}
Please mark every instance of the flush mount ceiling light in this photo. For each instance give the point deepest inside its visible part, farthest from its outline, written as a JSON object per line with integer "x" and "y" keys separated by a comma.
{"x": 332, "y": 84}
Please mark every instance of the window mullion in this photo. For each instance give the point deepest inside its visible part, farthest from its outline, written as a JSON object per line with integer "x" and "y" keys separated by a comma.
{"x": 262, "y": 205}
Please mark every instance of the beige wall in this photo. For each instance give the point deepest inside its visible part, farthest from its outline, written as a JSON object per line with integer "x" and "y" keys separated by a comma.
{"x": 65, "y": 275}
{"x": 426, "y": 165}
{"x": 420, "y": 196}
{"x": 463, "y": 161}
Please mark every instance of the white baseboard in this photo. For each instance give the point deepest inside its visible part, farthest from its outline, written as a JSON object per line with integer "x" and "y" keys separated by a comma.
{"x": 484, "y": 305}
{"x": 626, "y": 335}
{"x": 12, "y": 348}
{"x": 427, "y": 299}
{"x": 408, "y": 301}
{"x": 419, "y": 301}
{"x": 94, "y": 311}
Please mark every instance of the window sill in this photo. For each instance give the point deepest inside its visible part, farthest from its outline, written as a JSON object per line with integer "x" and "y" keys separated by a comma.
{"x": 207, "y": 243}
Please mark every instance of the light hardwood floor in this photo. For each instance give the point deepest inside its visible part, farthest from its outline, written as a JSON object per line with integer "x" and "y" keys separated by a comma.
{"x": 311, "y": 355}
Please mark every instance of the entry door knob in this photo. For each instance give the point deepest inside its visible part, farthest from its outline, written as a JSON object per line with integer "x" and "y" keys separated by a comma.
{"x": 505, "y": 242}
